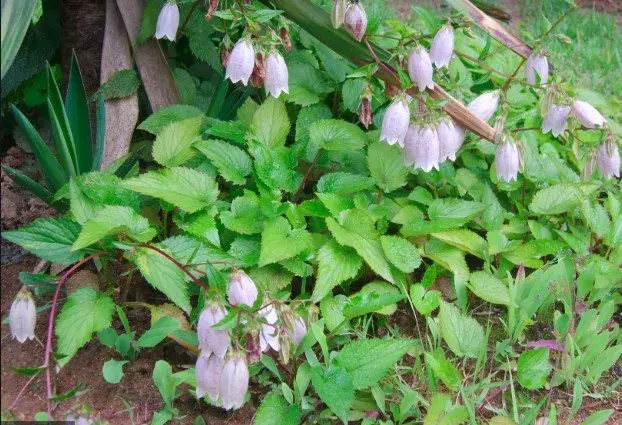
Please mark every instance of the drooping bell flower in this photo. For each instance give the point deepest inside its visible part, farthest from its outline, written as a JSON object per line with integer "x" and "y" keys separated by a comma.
{"x": 168, "y": 21}
{"x": 269, "y": 335}
{"x": 23, "y": 316}
{"x": 395, "y": 123}
{"x": 587, "y": 114}
{"x": 365, "y": 111}
{"x": 277, "y": 75}
{"x": 339, "y": 12}
{"x": 409, "y": 144}
{"x": 422, "y": 148}
{"x": 450, "y": 139}
{"x": 485, "y": 105}
{"x": 507, "y": 160}
{"x": 234, "y": 381}
{"x": 242, "y": 289}
{"x": 355, "y": 20}
{"x": 297, "y": 330}
{"x": 208, "y": 370}
{"x": 442, "y": 47}
{"x": 556, "y": 119}
{"x": 608, "y": 159}
{"x": 538, "y": 64}
{"x": 213, "y": 340}
{"x": 420, "y": 68}
{"x": 241, "y": 62}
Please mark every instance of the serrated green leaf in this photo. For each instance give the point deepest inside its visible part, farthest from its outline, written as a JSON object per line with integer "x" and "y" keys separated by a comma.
{"x": 335, "y": 388}
{"x": 366, "y": 302}
{"x": 159, "y": 330}
{"x": 233, "y": 163}
{"x": 336, "y": 135}
{"x": 270, "y": 124}
{"x": 401, "y": 253}
{"x": 188, "y": 189}
{"x": 166, "y": 116}
{"x": 387, "y": 166}
{"x": 444, "y": 369}
{"x": 454, "y": 209}
{"x": 112, "y": 370}
{"x": 112, "y": 220}
{"x": 280, "y": 242}
{"x": 173, "y": 145}
{"x": 274, "y": 410}
{"x": 49, "y": 238}
{"x": 245, "y": 216}
{"x": 425, "y": 302}
{"x": 336, "y": 264}
{"x": 308, "y": 116}
{"x": 533, "y": 368}
{"x": 463, "y": 334}
{"x": 559, "y": 198}
{"x": 271, "y": 278}
{"x": 85, "y": 312}
{"x": 121, "y": 84}
{"x": 369, "y": 360}
{"x": 332, "y": 312}
{"x": 344, "y": 183}
{"x": 308, "y": 85}
{"x": 464, "y": 239}
{"x": 200, "y": 224}
{"x": 277, "y": 168}
{"x": 489, "y": 288}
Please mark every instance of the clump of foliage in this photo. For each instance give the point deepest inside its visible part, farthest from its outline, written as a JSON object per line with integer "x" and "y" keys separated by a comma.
{"x": 287, "y": 238}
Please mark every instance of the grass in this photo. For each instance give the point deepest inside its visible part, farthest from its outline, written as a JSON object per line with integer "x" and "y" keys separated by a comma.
{"x": 593, "y": 59}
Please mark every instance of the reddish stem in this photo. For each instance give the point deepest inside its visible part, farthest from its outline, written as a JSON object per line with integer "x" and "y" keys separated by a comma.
{"x": 177, "y": 263}
{"x": 50, "y": 333}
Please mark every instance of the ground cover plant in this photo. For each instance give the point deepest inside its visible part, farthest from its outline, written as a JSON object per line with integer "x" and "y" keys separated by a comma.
{"x": 328, "y": 229}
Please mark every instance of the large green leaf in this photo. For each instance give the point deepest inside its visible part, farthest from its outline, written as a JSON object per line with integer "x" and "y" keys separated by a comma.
{"x": 336, "y": 264}
{"x": 369, "y": 360}
{"x": 344, "y": 183}
{"x": 489, "y": 288}
{"x": 274, "y": 410}
{"x": 85, "y": 312}
{"x": 280, "y": 242}
{"x": 533, "y": 368}
{"x": 49, "y": 238}
{"x": 165, "y": 116}
{"x": 121, "y": 84}
{"x": 401, "y": 253}
{"x": 270, "y": 124}
{"x": 245, "y": 216}
{"x": 444, "y": 369}
{"x": 173, "y": 145}
{"x": 336, "y": 135}
{"x": 464, "y": 239}
{"x": 335, "y": 388}
{"x": 386, "y": 166}
{"x": 188, "y": 189}
{"x": 233, "y": 163}
{"x": 79, "y": 118}
{"x": 463, "y": 334}
{"x": 559, "y": 198}
{"x": 16, "y": 16}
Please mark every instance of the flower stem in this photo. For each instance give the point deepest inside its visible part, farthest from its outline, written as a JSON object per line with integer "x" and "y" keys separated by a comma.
{"x": 165, "y": 254}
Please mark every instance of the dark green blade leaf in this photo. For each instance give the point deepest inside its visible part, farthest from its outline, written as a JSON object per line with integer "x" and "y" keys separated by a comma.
{"x": 100, "y": 135}
{"x": 16, "y": 17}
{"x": 56, "y": 101}
{"x": 78, "y": 116}
{"x": 29, "y": 184}
{"x": 47, "y": 161}
{"x": 62, "y": 145}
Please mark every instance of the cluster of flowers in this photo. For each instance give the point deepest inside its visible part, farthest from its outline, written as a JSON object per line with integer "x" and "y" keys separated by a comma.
{"x": 222, "y": 370}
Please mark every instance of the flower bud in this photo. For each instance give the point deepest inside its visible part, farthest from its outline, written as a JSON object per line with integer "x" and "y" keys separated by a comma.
{"x": 485, "y": 105}
{"x": 224, "y": 56}
{"x": 241, "y": 62}
{"x": 507, "y": 160}
{"x": 395, "y": 123}
{"x": 208, "y": 370}
{"x": 520, "y": 274}
{"x": 297, "y": 330}
{"x": 234, "y": 381}
{"x": 213, "y": 7}
{"x": 339, "y": 12}
{"x": 277, "y": 75}
{"x": 285, "y": 344}
{"x": 355, "y": 20}
{"x": 537, "y": 64}
{"x": 23, "y": 315}
{"x": 556, "y": 119}
{"x": 168, "y": 21}
{"x": 588, "y": 169}
{"x": 242, "y": 289}
{"x": 422, "y": 148}
{"x": 608, "y": 159}
{"x": 253, "y": 347}
{"x": 258, "y": 75}
{"x": 285, "y": 39}
{"x": 420, "y": 68}
{"x": 450, "y": 139}
{"x": 213, "y": 340}
{"x": 269, "y": 335}
{"x": 442, "y": 47}
{"x": 365, "y": 111}
{"x": 587, "y": 114}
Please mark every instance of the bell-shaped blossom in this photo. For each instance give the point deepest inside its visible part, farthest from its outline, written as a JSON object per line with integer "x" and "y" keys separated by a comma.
{"x": 80, "y": 420}
{"x": 277, "y": 75}
{"x": 338, "y": 14}
{"x": 538, "y": 64}
{"x": 241, "y": 62}
{"x": 395, "y": 123}
{"x": 297, "y": 330}
{"x": 485, "y": 105}
{"x": 450, "y": 139}
{"x": 422, "y": 148}
{"x": 556, "y": 119}
{"x": 208, "y": 370}
{"x": 269, "y": 335}
{"x": 168, "y": 21}
{"x": 23, "y": 316}
{"x": 442, "y": 47}
{"x": 420, "y": 68}
{"x": 507, "y": 160}
{"x": 234, "y": 381}
{"x": 213, "y": 340}
{"x": 355, "y": 20}
{"x": 608, "y": 160}
{"x": 587, "y": 114}
{"x": 242, "y": 289}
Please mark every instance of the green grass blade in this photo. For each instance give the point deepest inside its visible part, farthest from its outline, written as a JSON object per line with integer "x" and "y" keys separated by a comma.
{"x": 100, "y": 135}
{"x": 78, "y": 116}
{"x": 62, "y": 147}
{"x": 16, "y": 16}
{"x": 52, "y": 170}
{"x": 215, "y": 107}
{"x": 56, "y": 101}
{"x": 29, "y": 184}
{"x": 127, "y": 165}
